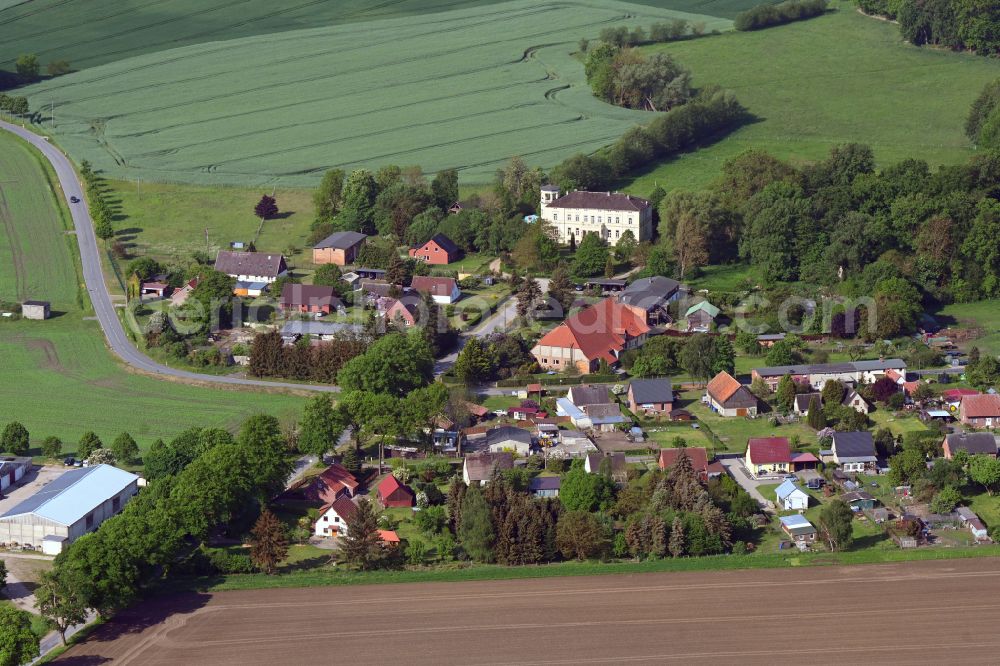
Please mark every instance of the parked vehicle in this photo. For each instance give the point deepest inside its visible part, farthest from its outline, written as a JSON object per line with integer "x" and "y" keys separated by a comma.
{"x": 69, "y": 461}
{"x": 74, "y": 199}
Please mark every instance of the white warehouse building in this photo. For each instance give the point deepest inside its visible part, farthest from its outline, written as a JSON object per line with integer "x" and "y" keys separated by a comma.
{"x": 609, "y": 214}
{"x": 67, "y": 508}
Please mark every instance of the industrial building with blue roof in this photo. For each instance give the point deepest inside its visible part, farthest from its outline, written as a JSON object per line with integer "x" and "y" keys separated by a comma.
{"x": 65, "y": 509}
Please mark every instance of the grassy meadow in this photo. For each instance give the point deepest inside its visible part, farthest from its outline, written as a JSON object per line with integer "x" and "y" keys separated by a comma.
{"x": 983, "y": 315}
{"x": 465, "y": 89}
{"x": 838, "y": 78}
{"x": 58, "y": 376}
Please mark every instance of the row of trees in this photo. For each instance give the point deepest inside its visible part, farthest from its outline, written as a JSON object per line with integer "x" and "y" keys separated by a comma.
{"x": 17, "y": 105}
{"x": 955, "y": 24}
{"x": 106, "y": 570}
{"x": 763, "y": 16}
{"x": 659, "y": 32}
{"x": 16, "y": 440}
{"x": 270, "y": 357}
{"x": 982, "y": 126}
{"x": 701, "y": 356}
{"x": 100, "y": 209}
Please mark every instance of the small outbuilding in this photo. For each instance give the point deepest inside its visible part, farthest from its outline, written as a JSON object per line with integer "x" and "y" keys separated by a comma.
{"x": 790, "y": 497}
{"x": 798, "y": 528}
{"x": 36, "y": 309}
{"x": 392, "y": 493}
{"x": 545, "y": 486}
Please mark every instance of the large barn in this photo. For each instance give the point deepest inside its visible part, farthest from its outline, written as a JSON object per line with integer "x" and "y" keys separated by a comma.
{"x": 68, "y": 507}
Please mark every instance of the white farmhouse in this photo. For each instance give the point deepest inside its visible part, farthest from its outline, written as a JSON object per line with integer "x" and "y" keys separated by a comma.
{"x": 608, "y": 214}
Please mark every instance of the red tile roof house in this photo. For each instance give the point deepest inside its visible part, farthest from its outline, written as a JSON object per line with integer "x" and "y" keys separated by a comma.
{"x": 696, "y": 454}
{"x": 768, "y": 455}
{"x": 309, "y": 298}
{"x": 334, "y": 482}
{"x": 334, "y": 517}
{"x": 727, "y": 397}
{"x": 980, "y": 411}
{"x": 439, "y": 250}
{"x": 443, "y": 290}
{"x": 392, "y": 493}
{"x": 600, "y": 332}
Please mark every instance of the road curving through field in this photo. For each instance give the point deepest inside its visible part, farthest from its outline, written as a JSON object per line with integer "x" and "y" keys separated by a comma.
{"x": 97, "y": 290}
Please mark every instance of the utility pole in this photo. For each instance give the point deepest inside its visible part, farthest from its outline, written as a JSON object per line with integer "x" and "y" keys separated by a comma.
{"x": 207, "y": 247}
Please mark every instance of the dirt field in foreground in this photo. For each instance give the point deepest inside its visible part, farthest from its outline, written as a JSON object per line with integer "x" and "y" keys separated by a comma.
{"x": 907, "y": 613}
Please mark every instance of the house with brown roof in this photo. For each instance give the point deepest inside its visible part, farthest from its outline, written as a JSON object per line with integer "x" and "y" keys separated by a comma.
{"x": 335, "y": 481}
{"x": 608, "y": 214}
{"x": 339, "y": 248}
{"x": 479, "y": 468}
{"x": 405, "y": 309}
{"x": 334, "y": 517}
{"x": 443, "y": 290}
{"x": 980, "y": 411}
{"x": 616, "y": 465}
{"x": 439, "y": 250}
{"x": 696, "y": 454}
{"x": 392, "y": 493}
{"x": 251, "y": 266}
{"x": 768, "y": 455}
{"x": 310, "y": 298}
{"x": 600, "y": 332}
{"x": 180, "y": 296}
{"x": 973, "y": 443}
{"x": 727, "y": 397}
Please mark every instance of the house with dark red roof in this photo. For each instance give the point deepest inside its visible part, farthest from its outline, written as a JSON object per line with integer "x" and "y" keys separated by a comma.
{"x": 443, "y": 290}
{"x": 438, "y": 250}
{"x": 727, "y": 397}
{"x": 980, "y": 411}
{"x": 334, "y": 517}
{"x": 392, "y": 493}
{"x": 309, "y": 298}
{"x": 601, "y": 332}
{"x": 768, "y": 455}
{"x": 696, "y": 454}
{"x": 335, "y": 481}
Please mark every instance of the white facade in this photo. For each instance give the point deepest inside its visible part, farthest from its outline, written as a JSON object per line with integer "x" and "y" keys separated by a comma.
{"x": 608, "y": 222}
{"x": 331, "y": 523}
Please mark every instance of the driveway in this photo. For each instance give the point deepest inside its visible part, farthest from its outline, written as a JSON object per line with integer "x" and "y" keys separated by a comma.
{"x": 736, "y": 469}
{"x": 30, "y": 483}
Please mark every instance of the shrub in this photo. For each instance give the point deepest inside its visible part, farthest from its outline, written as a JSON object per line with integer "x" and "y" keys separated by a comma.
{"x": 763, "y": 16}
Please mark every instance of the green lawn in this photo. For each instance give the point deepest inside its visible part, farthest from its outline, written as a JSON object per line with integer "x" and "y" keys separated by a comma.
{"x": 58, "y": 376}
{"x": 884, "y": 418}
{"x": 735, "y": 431}
{"x": 664, "y": 438}
{"x": 981, "y": 314}
{"x": 169, "y": 222}
{"x": 728, "y": 277}
{"x": 838, "y": 78}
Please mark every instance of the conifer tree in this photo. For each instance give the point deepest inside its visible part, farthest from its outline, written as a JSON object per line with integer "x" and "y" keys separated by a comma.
{"x": 362, "y": 546}
{"x": 676, "y": 543}
{"x": 268, "y": 542}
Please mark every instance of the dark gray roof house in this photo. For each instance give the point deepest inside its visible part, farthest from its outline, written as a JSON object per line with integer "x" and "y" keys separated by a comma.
{"x": 600, "y": 201}
{"x": 253, "y": 264}
{"x": 584, "y": 395}
{"x": 802, "y": 401}
{"x": 976, "y": 443}
{"x": 507, "y": 434}
{"x": 853, "y": 447}
{"x": 644, "y": 391}
{"x": 479, "y": 468}
{"x": 341, "y": 240}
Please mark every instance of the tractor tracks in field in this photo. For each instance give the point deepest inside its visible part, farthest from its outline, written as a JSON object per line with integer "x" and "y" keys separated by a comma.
{"x": 17, "y": 259}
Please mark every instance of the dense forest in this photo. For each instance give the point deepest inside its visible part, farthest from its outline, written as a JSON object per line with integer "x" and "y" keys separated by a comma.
{"x": 954, "y": 24}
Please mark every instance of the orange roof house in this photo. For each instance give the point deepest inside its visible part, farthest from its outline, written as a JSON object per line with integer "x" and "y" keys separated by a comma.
{"x": 600, "y": 332}
{"x": 728, "y": 397}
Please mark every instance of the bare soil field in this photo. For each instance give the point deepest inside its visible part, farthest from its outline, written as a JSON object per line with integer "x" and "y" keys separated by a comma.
{"x": 884, "y": 614}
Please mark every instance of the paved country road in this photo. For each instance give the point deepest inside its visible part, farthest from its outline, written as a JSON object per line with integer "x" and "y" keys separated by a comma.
{"x": 93, "y": 276}
{"x": 888, "y": 613}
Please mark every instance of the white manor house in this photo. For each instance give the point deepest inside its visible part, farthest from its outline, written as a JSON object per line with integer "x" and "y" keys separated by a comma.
{"x": 609, "y": 214}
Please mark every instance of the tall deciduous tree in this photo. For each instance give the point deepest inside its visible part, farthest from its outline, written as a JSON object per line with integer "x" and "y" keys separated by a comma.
{"x": 591, "y": 256}
{"x": 125, "y": 449}
{"x": 320, "y": 426}
{"x": 327, "y": 197}
{"x": 60, "y": 600}
{"x": 15, "y": 439}
{"x": 268, "y": 542}
{"x": 834, "y": 525}
{"x": 396, "y": 364}
{"x": 444, "y": 188}
{"x": 27, "y": 67}
{"x": 18, "y": 644}
{"x": 697, "y": 357}
{"x": 985, "y": 470}
{"x": 528, "y": 294}
{"x": 580, "y": 535}
{"x": 88, "y": 444}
